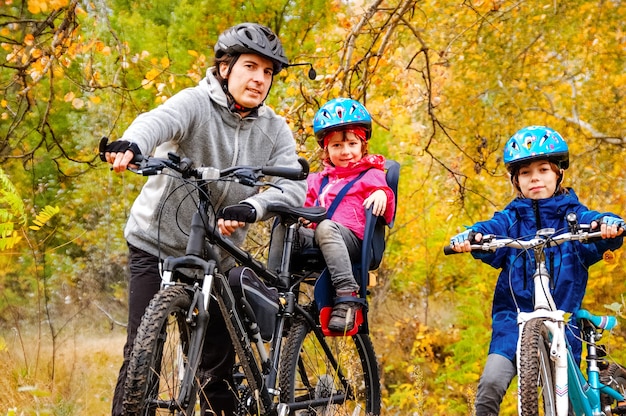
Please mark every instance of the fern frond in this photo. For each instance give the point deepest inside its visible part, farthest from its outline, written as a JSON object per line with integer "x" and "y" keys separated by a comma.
{"x": 6, "y": 184}
{"x": 44, "y": 216}
{"x": 10, "y": 241}
{"x": 6, "y": 229}
{"x": 9, "y": 196}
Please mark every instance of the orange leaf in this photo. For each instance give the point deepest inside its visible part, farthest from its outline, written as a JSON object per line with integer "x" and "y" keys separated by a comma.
{"x": 29, "y": 39}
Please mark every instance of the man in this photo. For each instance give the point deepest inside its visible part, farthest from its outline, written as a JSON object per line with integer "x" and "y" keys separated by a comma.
{"x": 222, "y": 122}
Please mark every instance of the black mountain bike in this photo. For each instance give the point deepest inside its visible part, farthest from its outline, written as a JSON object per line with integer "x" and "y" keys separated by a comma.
{"x": 296, "y": 370}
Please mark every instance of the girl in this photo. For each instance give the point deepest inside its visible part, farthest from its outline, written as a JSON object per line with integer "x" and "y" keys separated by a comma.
{"x": 343, "y": 127}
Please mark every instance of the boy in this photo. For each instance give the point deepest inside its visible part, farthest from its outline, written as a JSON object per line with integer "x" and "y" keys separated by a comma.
{"x": 536, "y": 158}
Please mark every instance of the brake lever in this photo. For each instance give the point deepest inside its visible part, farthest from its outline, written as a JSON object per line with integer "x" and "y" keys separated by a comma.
{"x": 250, "y": 177}
{"x": 145, "y": 169}
{"x": 247, "y": 177}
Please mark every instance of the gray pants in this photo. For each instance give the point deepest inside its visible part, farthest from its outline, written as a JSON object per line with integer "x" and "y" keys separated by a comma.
{"x": 494, "y": 382}
{"x": 339, "y": 245}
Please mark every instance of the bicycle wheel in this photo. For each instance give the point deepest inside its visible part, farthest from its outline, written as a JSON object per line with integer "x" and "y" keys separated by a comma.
{"x": 536, "y": 386}
{"x": 613, "y": 376}
{"x": 351, "y": 387}
{"x": 159, "y": 359}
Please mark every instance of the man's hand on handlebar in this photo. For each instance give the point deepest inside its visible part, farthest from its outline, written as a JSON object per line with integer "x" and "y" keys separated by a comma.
{"x": 235, "y": 216}
{"x": 119, "y": 153}
{"x": 462, "y": 242}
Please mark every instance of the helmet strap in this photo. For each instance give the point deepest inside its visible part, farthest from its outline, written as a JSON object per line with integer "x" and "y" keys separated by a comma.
{"x": 557, "y": 190}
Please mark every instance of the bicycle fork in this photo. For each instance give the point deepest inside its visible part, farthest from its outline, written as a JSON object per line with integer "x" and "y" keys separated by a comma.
{"x": 554, "y": 321}
{"x": 197, "y": 317}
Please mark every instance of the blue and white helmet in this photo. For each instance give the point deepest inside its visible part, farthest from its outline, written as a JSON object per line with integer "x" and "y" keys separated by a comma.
{"x": 535, "y": 143}
{"x": 341, "y": 113}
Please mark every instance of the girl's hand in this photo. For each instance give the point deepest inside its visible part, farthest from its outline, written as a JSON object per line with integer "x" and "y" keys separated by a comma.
{"x": 305, "y": 223}
{"x": 378, "y": 201}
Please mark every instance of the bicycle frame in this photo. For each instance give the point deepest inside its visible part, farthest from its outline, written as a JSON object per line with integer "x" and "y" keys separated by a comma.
{"x": 585, "y": 393}
{"x": 570, "y": 384}
{"x": 261, "y": 373}
{"x": 554, "y": 320}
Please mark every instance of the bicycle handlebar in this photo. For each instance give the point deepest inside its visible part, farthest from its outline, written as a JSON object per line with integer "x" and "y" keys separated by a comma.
{"x": 248, "y": 175}
{"x": 545, "y": 237}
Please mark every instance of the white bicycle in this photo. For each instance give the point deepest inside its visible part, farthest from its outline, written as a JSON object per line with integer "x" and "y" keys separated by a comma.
{"x": 550, "y": 383}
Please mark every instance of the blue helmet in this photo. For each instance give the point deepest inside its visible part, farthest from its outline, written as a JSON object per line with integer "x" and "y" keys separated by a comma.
{"x": 340, "y": 113}
{"x": 536, "y": 143}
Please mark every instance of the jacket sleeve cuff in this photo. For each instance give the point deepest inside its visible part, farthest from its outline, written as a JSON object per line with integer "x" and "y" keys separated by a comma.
{"x": 257, "y": 207}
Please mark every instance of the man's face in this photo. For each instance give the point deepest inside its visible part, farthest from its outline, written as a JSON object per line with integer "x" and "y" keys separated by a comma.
{"x": 249, "y": 80}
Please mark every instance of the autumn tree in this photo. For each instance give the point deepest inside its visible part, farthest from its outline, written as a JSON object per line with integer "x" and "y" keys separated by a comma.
{"x": 447, "y": 83}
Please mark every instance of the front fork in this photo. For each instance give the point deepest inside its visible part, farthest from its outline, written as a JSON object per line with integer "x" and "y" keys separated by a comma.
{"x": 197, "y": 318}
{"x": 554, "y": 321}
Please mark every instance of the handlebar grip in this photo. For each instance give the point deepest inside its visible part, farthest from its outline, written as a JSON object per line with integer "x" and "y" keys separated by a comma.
{"x": 137, "y": 159}
{"x": 102, "y": 148}
{"x": 447, "y": 250}
{"x": 288, "y": 173}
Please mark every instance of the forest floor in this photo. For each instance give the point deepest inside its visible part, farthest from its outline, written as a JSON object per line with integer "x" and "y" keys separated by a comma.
{"x": 83, "y": 367}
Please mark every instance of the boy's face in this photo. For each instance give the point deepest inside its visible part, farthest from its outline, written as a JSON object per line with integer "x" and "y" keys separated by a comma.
{"x": 537, "y": 180}
{"x": 343, "y": 148}
{"x": 250, "y": 79}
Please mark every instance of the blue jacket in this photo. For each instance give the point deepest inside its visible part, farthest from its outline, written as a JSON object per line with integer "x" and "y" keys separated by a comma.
{"x": 567, "y": 263}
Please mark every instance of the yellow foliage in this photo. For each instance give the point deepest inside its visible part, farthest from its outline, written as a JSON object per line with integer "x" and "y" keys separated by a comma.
{"x": 29, "y": 39}
{"x": 44, "y": 216}
{"x": 37, "y": 6}
{"x": 152, "y": 74}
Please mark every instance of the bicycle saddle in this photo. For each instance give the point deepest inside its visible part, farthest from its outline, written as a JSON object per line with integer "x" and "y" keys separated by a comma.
{"x": 292, "y": 214}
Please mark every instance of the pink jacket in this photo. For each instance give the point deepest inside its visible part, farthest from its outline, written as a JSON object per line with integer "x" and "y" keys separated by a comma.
{"x": 350, "y": 211}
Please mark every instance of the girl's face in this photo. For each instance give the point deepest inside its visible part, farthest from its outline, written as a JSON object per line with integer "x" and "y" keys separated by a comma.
{"x": 537, "y": 180}
{"x": 343, "y": 148}
{"x": 250, "y": 79}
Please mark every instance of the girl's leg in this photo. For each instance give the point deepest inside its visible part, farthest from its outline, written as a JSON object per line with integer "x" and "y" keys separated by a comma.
{"x": 340, "y": 248}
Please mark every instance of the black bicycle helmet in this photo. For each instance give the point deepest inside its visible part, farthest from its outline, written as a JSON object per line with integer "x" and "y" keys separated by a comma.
{"x": 252, "y": 38}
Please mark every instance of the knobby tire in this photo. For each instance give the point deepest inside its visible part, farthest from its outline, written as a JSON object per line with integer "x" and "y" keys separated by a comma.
{"x": 159, "y": 358}
{"x": 615, "y": 377}
{"x": 306, "y": 373}
{"x": 536, "y": 378}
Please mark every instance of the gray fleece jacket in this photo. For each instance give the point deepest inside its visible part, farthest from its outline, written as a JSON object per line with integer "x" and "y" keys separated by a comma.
{"x": 197, "y": 123}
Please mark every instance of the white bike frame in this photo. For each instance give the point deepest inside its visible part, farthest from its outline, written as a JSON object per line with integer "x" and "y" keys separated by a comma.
{"x": 554, "y": 320}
